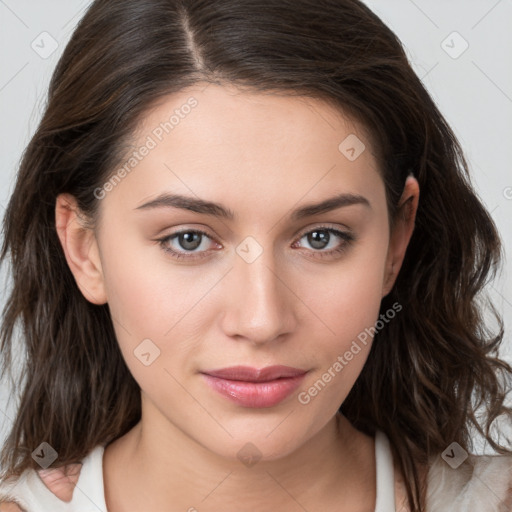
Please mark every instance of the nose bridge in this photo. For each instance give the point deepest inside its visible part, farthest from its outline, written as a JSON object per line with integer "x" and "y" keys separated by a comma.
{"x": 261, "y": 306}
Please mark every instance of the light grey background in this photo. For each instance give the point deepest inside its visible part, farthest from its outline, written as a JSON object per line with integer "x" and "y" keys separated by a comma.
{"x": 473, "y": 88}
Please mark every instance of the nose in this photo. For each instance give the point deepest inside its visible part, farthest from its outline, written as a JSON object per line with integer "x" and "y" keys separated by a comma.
{"x": 260, "y": 303}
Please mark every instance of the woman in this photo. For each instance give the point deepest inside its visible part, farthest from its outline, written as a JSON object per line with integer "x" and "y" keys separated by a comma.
{"x": 247, "y": 264}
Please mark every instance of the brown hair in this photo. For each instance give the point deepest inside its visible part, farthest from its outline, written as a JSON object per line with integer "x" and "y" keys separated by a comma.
{"x": 432, "y": 368}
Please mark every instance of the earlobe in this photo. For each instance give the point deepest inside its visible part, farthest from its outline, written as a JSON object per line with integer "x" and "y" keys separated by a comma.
{"x": 80, "y": 248}
{"x": 402, "y": 232}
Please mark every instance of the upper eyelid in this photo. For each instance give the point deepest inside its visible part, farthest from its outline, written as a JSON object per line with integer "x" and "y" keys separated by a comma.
{"x": 325, "y": 226}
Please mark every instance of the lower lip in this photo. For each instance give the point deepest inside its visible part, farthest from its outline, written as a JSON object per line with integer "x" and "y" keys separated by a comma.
{"x": 255, "y": 394}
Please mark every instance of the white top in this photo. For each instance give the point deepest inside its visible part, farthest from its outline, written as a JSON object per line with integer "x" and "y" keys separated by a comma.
{"x": 385, "y": 501}
{"x": 32, "y": 495}
{"x": 482, "y": 483}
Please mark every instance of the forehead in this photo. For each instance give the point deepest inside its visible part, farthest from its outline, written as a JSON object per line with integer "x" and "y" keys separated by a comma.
{"x": 219, "y": 142}
{"x": 226, "y": 114}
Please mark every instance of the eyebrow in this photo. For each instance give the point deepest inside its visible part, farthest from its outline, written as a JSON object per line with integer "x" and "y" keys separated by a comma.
{"x": 217, "y": 210}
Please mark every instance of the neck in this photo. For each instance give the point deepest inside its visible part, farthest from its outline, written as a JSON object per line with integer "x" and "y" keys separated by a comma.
{"x": 335, "y": 467}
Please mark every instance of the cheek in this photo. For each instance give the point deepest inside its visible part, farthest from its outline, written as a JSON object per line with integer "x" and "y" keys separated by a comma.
{"x": 150, "y": 298}
{"x": 141, "y": 294}
{"x": 347, "y": 301}
{"x": 350, "y": 311}
{"x": 347, "y": 296}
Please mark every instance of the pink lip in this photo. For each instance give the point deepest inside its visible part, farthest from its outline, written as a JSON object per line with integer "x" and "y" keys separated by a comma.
{"x": 252, "y": 387}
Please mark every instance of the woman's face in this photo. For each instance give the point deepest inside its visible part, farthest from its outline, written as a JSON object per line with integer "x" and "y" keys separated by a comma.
{"x": 273, "y": 280}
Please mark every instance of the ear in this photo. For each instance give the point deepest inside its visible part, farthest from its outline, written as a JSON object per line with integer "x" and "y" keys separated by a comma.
{"x": 80, "y": 248}
{"x": 402, "y": 232}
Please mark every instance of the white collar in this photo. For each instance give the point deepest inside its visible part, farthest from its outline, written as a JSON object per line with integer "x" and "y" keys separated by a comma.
{"x": 385, "y": 474}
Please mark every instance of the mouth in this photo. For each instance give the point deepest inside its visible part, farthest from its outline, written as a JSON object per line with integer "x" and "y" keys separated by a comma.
{"x": 255, "y": 388}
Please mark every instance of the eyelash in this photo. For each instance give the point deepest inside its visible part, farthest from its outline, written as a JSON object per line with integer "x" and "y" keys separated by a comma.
{"x": 348, "y": 239}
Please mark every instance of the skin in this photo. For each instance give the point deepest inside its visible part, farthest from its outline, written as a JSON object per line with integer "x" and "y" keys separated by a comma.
{"x": 261, "y": 156}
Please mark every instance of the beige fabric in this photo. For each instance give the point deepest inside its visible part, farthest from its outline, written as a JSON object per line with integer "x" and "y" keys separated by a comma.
{"x": 483, "y": 483}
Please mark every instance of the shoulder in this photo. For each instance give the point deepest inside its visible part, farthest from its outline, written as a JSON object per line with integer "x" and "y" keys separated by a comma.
{"x": 40, "y": 490}
{"x": 10, "y": 506}
{"x": 10, "y": 500}
{"x": 479, "y": 482}
{"x": 33, "y": 488}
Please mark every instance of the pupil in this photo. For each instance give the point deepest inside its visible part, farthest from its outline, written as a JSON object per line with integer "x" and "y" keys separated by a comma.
{"x": 318, "y": 239}
{"x": 187, "y": 240}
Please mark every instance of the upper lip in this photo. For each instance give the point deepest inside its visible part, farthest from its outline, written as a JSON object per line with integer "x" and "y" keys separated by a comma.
{"x": 250, "y": 374}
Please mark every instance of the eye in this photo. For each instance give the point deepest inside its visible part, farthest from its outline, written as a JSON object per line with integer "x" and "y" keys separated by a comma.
{"x": 189, "y": 243}
{"x": 323, "y": 237}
